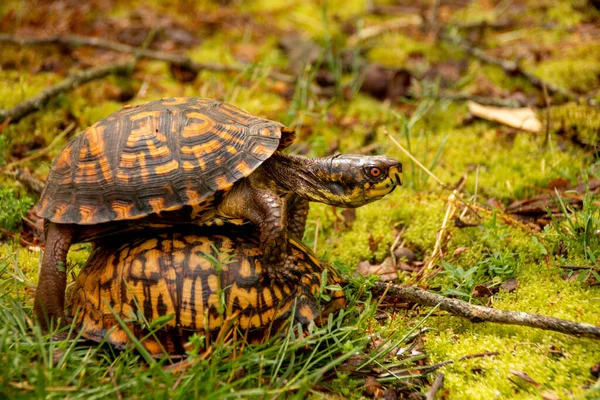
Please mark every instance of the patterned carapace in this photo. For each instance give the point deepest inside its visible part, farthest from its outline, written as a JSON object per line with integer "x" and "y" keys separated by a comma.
{"x": 155, "y": 157}
{"x": 176, "y": 274}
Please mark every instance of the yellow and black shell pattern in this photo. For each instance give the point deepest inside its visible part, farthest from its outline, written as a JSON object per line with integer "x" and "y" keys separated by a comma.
{"x": 203, "y": 283}
{"x": 158, "y": 156}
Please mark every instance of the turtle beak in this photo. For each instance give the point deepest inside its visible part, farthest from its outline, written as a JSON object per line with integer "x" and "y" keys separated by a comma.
{"x": 395, "y": 174}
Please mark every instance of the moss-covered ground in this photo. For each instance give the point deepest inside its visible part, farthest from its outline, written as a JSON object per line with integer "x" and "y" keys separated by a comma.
{"x": 558, "y": 41}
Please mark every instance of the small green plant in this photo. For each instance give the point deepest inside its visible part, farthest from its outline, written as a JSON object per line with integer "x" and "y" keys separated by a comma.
{"x": 13, "y": 208}
{"x": 496, "y": 268}
{"x": 463, "y": 280}
{"x": 418, "y": 178}
{"x": 223, "y": 258}
{"x": 578, "y": 233}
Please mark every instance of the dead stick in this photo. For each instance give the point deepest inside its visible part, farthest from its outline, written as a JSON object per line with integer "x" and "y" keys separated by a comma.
{"x": 437, "y": 385}
{"x": 28, "y": 180}
{"x": 476, "y": 313}
{"x": 509, "y": 67}
{"x": 37, "y": 102}
{"x": 486, "y": 101}
{"x": 578, "y": 267}
{"x": 77, "y": 41}
{"x": 478, "y": 355}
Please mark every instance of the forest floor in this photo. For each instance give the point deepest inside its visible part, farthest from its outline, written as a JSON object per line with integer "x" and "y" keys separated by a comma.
{"x": 508, "y": 217}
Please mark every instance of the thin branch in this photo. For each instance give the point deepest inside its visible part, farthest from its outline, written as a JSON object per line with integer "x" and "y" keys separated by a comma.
{"x": 184, "y": 61}
{"x": 479, "y": 355}
{"x": 486, "y": 101}
{"x": 438, "y": 383}
{"x": 579, "y": 267}
{"x": 510, "y": 67}
{"x": 32, "y": 183}
{"x": 37, "y": 102}
{"x": 475, "y": 313}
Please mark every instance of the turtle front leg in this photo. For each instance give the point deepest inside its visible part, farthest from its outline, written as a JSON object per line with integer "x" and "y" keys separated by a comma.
{"x": 50, "y": 294}
{"x": 268, "y": 212}
{"x": 272, "y": 223}
{"x": 297, "y": 212}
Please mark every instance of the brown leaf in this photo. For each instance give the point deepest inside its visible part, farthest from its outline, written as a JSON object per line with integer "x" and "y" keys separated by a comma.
{"x": 549, "y": 396}
{"x": 458, "y": 251}
{"x": 373, "y": 243}
{"x": 183, "y": 73}
{"x": 405, "y": 254}
{"x": 559, "y": 183}
{"x": 385, "y": 83}
{"x": 520, "y": 118}
{"x": 595, "y": 370}
{"x": 448, "y": 72}
{"x": 373, "y": 388}
{"x": 246, "y": 52}
{"x": 481, "y": 291}
{"x": 300, "y": 52}
{"x": 390, "y": 394}
{"x": 510, "y": 285}
{"x": 386, "y": 270}
{"x": 349, "y": 215}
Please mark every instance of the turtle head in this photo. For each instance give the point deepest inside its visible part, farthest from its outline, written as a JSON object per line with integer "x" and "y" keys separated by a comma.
{"x": 352, "y": 180}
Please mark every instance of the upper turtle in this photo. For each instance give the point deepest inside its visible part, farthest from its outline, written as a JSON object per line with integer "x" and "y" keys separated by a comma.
{"x": 154, "y": 157}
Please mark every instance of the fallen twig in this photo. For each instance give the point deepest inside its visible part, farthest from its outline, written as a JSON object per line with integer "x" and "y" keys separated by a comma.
{"x": 383, "y": 28}
{"x": 37, "y": 102}
{"x": 28, "y": 180}
{"x": 21, "y": 240}
{"x": 475, "y": 313}
{"x": 181, "y": 60}
{"x": 479, "y": 355}
{"x": 511, "y": 68}
{"x": 435, "y": 388}
{"x": 579, "y": 267}
{"x": 486, "y": 101}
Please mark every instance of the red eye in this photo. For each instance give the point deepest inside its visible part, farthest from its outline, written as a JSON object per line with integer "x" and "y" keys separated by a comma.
{"x": 375, "y": 172}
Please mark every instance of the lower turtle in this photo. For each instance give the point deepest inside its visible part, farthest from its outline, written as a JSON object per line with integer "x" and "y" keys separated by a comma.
{"x": 193, "y": 283}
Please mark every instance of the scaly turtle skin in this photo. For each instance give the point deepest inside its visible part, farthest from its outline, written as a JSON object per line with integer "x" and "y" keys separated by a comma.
{"x": 190, "y": 161}
{"x": 176, "y": 274}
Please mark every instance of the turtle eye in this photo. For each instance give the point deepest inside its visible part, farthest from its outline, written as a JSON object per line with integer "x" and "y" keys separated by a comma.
{"x": 375, "y": 172}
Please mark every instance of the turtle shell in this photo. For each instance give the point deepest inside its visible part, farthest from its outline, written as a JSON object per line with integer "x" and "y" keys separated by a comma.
{"x": 190, "y": 283}
{"x": 155, "y": 157}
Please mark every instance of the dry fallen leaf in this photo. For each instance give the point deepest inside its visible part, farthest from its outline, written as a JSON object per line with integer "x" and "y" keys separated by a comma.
{"x": 373, "y": 388}
{"x": 510, "y": 285}
{"x": 520, "y": 118}
{"x": 386, "y": 270}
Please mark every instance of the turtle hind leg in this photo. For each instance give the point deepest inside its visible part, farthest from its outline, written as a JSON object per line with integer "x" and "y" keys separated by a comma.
{"x": 50, "y": 294}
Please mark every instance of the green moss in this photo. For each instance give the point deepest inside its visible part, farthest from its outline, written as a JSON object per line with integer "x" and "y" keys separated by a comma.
{"x": 14, "y": 206}
{"x": 578, "y": 122}
{"x": 394, "y": 49}
{"x": 580, "y": 75}
{"x": 18, "y": 86}
{"x": 558, "y": 362}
